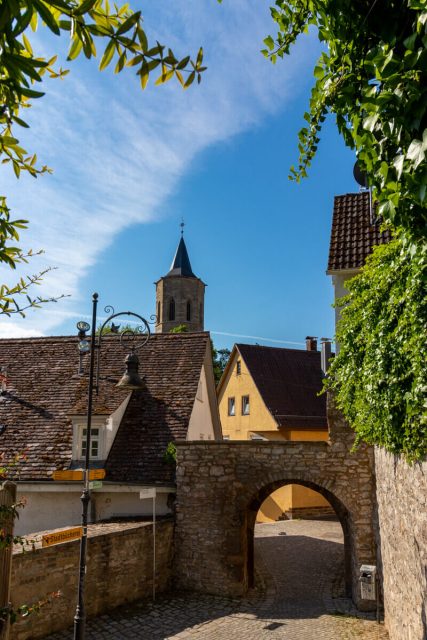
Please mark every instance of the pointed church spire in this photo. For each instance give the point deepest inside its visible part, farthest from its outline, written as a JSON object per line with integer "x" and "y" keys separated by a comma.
{"x": 180, "y": 295}
{"x": 181, "y": 263}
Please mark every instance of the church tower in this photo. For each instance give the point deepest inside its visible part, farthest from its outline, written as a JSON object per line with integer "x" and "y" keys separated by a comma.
{"x": 180, "y": 295}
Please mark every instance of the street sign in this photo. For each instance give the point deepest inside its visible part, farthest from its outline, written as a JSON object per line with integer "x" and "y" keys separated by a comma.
{"x": 97, "y": 474}
{"x": 61, "y": 536}
{"x": 78, "y": 474}
{"x": 147, "y": 493}
{"x": 95, "y": 484}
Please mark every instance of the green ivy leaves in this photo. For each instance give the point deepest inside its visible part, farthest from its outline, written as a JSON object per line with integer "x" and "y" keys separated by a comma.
{"x": 380, "y": 372}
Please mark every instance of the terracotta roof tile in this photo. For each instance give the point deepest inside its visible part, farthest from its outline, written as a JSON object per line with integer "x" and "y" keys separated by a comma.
{"x": 352, "y": 234}
{"x": 289, "y": 381}
{"x": 44, "y": 389}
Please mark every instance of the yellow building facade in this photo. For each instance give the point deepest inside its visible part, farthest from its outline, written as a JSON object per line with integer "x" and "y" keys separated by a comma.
{"x": 251, "y": 392}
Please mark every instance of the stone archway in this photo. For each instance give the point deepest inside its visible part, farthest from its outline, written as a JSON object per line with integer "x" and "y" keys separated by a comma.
{"x": 341, "y": 512}
{"x": 220, "y": 484}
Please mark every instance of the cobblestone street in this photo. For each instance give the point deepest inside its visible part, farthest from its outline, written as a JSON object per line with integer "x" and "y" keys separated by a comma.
{"x": 300, "y": 596}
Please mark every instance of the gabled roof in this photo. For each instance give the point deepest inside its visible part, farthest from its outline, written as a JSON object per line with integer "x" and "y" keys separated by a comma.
{"x": 181, "y": 263}
{"x": 44, "y": 389}
{"x": 289, "y": 381}
{"x": 353, "y": 235}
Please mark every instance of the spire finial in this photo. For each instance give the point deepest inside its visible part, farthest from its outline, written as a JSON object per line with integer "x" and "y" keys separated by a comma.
{"x": 182, "y": 225}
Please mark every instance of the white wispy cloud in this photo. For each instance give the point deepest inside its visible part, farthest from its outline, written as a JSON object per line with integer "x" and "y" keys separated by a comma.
{"x": 118, "y": 153}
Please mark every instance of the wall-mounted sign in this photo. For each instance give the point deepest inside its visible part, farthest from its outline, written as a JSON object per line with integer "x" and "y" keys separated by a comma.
{"x": 147, "y": 493}
{"x": 61, "y": 536}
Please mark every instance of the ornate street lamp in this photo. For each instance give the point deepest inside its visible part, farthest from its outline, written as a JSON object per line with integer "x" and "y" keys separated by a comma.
{"x": 130, "y": 380}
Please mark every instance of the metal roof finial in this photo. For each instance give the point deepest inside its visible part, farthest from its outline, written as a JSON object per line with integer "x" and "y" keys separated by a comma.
{"x": 182, "y": 225}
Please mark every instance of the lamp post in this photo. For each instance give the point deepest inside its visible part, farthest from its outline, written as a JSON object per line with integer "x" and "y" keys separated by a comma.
{"x": 131, "y": 381}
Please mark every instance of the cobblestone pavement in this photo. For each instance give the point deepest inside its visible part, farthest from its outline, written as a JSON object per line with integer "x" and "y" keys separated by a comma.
{"x": 300, "y": 596}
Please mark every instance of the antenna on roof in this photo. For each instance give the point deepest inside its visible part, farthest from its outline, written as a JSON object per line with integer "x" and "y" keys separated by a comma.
{"x": 362, "y": 180}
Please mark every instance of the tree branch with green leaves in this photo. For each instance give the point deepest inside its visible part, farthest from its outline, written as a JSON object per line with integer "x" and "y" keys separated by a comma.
{"x": 16, "y": 299}
{"x": 120, "y": 35}
{"x": 373, "y": 77}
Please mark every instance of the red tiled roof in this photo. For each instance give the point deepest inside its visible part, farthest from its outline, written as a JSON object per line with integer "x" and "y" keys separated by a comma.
{"x": 352, "y": 234}
{"x": 289, "y": 381}
{"x": 44, "y": 389}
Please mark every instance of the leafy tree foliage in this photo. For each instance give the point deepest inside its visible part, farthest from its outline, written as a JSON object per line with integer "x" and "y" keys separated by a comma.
{"x": 380, "y": 372}
{"x": 181, "y": 328}
{"x": 118, "y": 32}
{"x": 373, "y": 76}
{"x": 11, "y": 297}
{"x": 220, "y": 358}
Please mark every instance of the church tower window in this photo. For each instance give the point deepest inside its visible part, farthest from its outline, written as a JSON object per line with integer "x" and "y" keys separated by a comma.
{"x": 188, "y": 311}
{"x": 172, "y": 309}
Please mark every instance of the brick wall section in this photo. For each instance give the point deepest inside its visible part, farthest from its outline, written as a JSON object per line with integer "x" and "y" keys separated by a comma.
{"x": 221, "y": 485}
{"x": 402, "y": 512}
{"x": 120, "y": 570}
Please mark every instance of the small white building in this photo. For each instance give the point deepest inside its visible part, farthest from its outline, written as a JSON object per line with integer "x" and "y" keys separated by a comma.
{"x": 356, "y": 229}
{"x": 43, "y": 409}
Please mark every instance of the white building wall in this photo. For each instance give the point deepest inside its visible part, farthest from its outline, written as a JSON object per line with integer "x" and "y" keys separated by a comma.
{"x": 201, "y": 426}
{"x": 339, "y": 281}
{"x": 60, "y": 506}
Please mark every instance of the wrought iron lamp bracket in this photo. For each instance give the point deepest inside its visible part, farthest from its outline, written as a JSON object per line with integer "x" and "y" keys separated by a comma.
{"x": 132, "y": 339}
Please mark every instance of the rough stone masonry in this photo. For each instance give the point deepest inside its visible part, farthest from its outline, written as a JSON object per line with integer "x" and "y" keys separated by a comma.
{"x": 221, "y": 485}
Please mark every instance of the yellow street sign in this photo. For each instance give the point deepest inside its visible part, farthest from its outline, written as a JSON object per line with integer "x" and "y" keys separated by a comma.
{"x": 78, "y": 474}
{"x": 61, "y": 536}
{"x": 97, "y": 474}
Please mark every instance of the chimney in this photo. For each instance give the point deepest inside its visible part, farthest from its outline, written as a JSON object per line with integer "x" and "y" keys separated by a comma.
{"x": 326, "y": 353}
{"x": 311, "y": 343}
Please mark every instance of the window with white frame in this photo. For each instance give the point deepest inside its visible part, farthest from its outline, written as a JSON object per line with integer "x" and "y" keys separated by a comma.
{"x": 102, "y": 433}
{"x": 245, "y": 406}
{"x": 95, "y": 443}
{"x": 231, "y": 406}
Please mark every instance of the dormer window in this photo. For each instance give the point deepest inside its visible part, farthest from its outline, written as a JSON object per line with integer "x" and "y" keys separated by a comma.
{"x": 97, "y": 440}
{"x": 99, "y": 437}
{"x": 95, "y": 443}
{"x": 102, "y": 433}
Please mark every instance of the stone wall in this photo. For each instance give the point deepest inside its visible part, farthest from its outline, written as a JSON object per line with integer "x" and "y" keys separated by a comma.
{"x": 223, "y": 484}
{"x": 402, "y": 515}
{"x": 120, "y": 570}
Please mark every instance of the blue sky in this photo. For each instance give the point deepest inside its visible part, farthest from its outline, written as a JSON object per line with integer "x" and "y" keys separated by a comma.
{"x": 128, "y": 165}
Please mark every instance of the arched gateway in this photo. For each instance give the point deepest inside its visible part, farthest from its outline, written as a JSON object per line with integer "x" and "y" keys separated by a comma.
{"x": 221, "y": 485}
